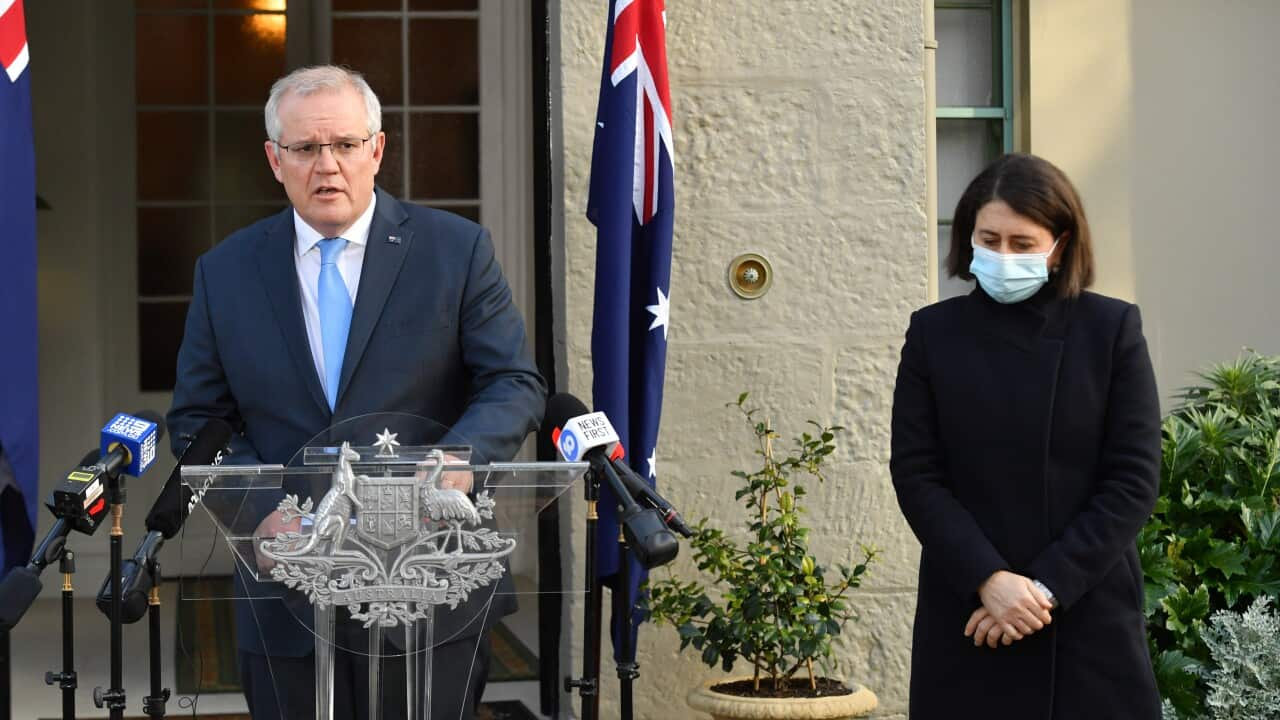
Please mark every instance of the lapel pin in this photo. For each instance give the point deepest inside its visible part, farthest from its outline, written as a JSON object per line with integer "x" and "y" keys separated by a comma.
{"x": 393, "y": 239}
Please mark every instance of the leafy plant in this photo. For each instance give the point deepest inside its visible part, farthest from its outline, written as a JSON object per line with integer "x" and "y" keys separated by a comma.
{"x": 1243, "y": 675}
{"x": 1212, "y": 541}
{"x": 769, "y": 602}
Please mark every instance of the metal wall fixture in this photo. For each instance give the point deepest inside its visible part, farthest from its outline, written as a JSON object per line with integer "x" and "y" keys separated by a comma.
{"x": 750, "y": 275}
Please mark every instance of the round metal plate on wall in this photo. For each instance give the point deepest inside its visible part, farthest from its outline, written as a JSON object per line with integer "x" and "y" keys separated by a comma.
{"x": 750, "y": 275}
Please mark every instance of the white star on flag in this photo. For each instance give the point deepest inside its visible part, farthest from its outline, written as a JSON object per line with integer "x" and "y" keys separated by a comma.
{"x": 661, "y": 313}
{"x": 653, "y": 463}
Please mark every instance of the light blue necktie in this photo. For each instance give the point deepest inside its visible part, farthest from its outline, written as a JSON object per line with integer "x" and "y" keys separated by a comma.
{"x": 335, "y": 315}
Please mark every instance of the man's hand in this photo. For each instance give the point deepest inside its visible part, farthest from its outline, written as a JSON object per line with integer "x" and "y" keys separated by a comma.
{"x": 456, "y": 479}
{"x": 451, "y": 479}
{"x": 1012, "y": 608}
{"x": 271, "y": 526}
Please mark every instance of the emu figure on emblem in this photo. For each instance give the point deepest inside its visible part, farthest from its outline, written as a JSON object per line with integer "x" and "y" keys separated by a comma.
{"x": 448, "y": 505}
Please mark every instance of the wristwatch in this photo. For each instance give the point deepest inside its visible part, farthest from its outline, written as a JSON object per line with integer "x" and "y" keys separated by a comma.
{"x": 1048, "y": 594}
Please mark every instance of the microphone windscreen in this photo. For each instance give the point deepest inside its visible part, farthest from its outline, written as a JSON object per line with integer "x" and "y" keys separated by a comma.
{"x": 153, "y": 417}
{"x": 561, "y": 407}
{"x": 17, "y": 591}
{"x": 170, "y": 509}
{"x": 90, "y": 457}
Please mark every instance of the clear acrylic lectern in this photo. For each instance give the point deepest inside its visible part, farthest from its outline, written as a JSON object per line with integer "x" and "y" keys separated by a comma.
{"x": 415, "y": 542}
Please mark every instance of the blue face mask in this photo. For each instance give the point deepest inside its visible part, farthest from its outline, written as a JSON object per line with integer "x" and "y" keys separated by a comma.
{"x": 1010, "y": 278}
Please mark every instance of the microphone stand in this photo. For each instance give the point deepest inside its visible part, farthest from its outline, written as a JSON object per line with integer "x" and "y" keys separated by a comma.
{"x": 67, "y": 678}
{"x": 114, "y": 697}
{"x": 588, "y": 685}
{"x": 628, "y": 668}
{"x": 153, "y": 704}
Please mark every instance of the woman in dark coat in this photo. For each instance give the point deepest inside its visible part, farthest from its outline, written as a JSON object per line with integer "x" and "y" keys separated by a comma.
{"x": 1026, "y": 456}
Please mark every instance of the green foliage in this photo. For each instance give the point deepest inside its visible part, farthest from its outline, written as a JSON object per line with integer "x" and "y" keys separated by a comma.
{"x": 1212, "y": 541}
{"x": 1243, "y": 675}
{"x": 769, "y": 602}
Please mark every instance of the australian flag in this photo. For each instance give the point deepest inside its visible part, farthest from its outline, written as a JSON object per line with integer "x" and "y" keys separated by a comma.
{"x": 19, "y": 442}
{"x": 631, "y": 204}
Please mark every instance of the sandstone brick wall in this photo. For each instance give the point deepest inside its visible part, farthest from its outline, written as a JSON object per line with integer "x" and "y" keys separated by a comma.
{"x": 799, "y": 130}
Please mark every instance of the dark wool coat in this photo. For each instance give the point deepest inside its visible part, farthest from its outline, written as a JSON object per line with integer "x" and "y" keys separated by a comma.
{"x": 1026, "y": 437}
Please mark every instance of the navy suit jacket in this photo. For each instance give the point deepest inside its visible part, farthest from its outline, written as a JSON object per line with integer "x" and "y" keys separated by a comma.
{"x": 433, "y": 333}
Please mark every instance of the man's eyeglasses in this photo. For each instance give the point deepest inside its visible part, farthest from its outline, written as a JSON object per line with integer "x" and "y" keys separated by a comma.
{"x": 342, "y": 148}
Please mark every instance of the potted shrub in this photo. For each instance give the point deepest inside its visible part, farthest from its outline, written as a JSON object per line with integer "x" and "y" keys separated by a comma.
{"x": 769, "y": 603}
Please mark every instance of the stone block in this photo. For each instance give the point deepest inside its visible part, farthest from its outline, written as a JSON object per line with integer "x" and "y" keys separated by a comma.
{"x": 794, "y": 37}
{"x": 743, "y": 147}
{"x": 836, "y": 278}
{"x": 788, "y": 383}
{"x": 865, "y": 376}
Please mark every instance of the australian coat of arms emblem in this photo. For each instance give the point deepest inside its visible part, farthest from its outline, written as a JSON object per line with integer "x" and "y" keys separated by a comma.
{"x": 389, "y": 547}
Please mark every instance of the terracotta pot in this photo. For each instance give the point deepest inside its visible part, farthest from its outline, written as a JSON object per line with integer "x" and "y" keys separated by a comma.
{"x": 734, "y": 707}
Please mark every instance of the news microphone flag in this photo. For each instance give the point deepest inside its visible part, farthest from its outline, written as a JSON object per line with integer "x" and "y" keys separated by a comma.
{"x": 631, "y": 204}
{"x": 19, "y": 441}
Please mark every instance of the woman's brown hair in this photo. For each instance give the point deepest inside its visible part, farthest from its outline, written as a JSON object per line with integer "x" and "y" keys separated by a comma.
{"x": 1036, "y": 189}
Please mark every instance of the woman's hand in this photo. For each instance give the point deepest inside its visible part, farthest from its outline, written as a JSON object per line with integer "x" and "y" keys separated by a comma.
{"x": 1013, "y": 607}
{"x": 984, "y": 630}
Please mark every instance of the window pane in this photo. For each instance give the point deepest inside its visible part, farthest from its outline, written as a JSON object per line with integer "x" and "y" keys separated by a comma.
{"x": 445, "y": 151}
{"x": 948, "y": 286}
{"x": 169, "y": 241}
{"x": 965, "y": 147}
{"x": 965, "y": 58}
{"x": 280, "y": 5}
{"x": 366, "y": 4}
{"x": 442, "y": 54}
{"x": 249, "y": 57}
{"x": 230, "y": 218}
{"x": 442, "y": 4}
{"x": 371, "y": 46}
{"x": 170, "y": 4}
{"x": 470, "y": 212}
{"x": 243, "y": 173}
{"x": 173, "y": 156}
{"x": 391, "y": 174}
{"x": 171, "y": 66}
{"x": 160, "y": 327}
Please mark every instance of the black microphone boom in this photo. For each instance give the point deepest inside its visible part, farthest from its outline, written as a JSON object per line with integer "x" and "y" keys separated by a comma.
{"x": 563, "y": 406}
{"x": 22, "y": 585}
{"x": 165, "y": 519}
{"x": 646, "y": 531}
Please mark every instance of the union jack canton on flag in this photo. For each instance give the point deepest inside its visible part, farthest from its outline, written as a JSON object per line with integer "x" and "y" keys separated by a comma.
{"x": 631, "y": 204}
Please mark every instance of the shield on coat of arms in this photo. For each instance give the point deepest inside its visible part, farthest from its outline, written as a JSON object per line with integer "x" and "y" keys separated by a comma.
{"x": 389, "y": 514}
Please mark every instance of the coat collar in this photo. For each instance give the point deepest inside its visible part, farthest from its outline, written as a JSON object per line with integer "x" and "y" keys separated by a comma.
{"x": 1043, "y": 316}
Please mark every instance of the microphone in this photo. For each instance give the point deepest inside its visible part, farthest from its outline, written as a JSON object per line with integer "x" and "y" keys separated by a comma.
{"x": 165, "y": 519}
{"x": 21, "y": 586}
{"x": 582, "y": 435}
{"x": 128, "y": 446}
{"x": 641, "y": 490}
{"x": 588, "y": 430}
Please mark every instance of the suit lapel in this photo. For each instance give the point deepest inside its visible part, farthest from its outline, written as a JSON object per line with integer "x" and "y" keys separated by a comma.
{"x": 388, "y": 245}
{"x": 280, "y": 278}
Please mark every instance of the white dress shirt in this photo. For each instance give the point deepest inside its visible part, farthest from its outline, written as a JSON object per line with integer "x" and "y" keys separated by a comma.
{"x": 306, "y": 258}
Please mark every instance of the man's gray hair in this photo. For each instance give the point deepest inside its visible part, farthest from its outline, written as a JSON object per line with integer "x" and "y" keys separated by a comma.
{"x": 321, "y": 78}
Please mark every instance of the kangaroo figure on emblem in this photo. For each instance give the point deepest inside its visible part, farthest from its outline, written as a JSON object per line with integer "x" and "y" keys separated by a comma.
{"x": 332, "y": 516}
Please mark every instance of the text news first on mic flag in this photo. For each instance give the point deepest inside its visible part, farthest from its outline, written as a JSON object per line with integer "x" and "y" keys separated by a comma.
{"x": 631, "y": 204}
{"x": 19, "y": 442}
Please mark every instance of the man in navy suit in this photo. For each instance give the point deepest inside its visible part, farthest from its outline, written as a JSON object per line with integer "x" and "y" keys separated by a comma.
{"x": 348, "y": 303}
